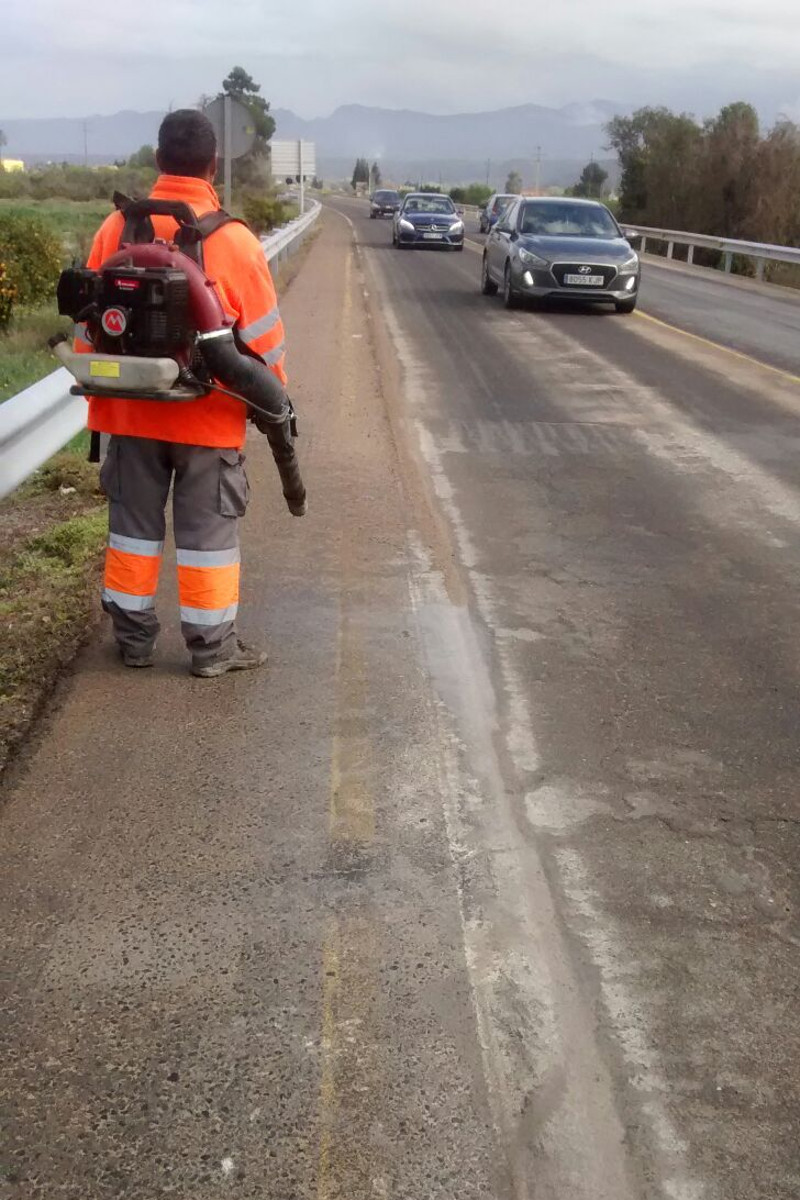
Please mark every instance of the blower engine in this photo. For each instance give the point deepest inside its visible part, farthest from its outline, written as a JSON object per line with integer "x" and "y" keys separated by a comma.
{"x": 158, "y": 332}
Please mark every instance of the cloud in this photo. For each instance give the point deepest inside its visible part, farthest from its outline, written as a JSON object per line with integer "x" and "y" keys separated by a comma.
{"x": 402, "y": 53}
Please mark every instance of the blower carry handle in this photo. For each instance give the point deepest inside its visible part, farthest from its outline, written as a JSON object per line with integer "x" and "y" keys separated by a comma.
{"x": 139, "y": 228}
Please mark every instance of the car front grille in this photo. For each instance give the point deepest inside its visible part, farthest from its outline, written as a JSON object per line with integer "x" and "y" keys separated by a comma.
{"x": 561, "y": 269}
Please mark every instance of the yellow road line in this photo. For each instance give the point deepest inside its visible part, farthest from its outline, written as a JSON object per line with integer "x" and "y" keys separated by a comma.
{"x": 350, "y": 1165}
{"x": 696, "y": 337}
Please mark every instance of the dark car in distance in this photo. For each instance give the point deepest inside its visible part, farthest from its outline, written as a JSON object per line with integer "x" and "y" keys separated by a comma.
{"x": 384, "y": 203}
{"x": 494, "y": 208}
{"x": 562, "y": 248}
{"x": 428, "y": 219}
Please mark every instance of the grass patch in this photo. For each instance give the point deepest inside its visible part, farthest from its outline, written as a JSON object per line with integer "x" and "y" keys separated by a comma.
{"x": 24, "y": 355}
{"x": 75, "y": 222}
{"x": 47, "y": 585}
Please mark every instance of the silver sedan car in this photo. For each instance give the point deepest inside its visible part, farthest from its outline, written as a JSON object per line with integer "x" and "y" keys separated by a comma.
{"x": 566, "y": 248}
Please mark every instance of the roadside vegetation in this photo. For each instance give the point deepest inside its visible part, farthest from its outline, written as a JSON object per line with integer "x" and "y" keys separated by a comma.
{"x": 725, "y": 176}
{"x": 51, "y": 534}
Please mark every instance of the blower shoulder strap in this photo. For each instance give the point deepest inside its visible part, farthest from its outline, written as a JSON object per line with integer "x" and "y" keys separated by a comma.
{"x": 191, "y": 233}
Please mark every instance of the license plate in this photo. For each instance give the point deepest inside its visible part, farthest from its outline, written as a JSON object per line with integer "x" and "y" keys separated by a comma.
{"x": 433, "y": 237}
{"x": 584, "y": 280}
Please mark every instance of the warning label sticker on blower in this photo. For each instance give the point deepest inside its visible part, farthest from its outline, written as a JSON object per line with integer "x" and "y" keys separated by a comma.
{"x": 104, "y": 370}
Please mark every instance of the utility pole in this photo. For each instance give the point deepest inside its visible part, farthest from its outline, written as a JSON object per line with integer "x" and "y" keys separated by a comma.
{"x": 85, "y": 144}
{"x": 538, "y": 169}
{"x": 227, "y": 126}
{"x": 488, "y": 171}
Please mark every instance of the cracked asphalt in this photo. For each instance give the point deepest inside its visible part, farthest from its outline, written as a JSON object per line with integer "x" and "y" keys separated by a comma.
{"x": 489, "y": 887}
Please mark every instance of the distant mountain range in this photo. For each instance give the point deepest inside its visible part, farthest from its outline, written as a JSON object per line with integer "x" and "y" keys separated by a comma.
{"x": 408, "y": 145}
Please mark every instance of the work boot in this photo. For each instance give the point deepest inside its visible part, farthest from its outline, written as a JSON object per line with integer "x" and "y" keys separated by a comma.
{"x": 145, "y": 659}
{"x": 243, "y": 659}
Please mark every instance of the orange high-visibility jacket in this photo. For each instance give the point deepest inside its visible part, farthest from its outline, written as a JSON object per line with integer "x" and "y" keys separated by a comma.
{"x": 235, "y": 260}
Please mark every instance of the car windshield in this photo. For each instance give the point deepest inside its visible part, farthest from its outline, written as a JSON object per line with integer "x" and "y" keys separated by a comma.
{"x": 429, "y": 204}
{"x": 561, "y": 219}
{"x": 385, "y": 197}
{"x": 501, "y": 203}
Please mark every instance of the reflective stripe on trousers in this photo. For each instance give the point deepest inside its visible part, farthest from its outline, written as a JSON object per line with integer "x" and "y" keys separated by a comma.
{"x": 208, "y": 585}
{"x": 131, "y": 572}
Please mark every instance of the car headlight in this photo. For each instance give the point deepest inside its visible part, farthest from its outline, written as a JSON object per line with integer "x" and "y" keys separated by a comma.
{"x": 532, "y": 260}
{"x": 630, "y": 264}
{"x": 457, "y": 227}
{"x": 406, "y": 225}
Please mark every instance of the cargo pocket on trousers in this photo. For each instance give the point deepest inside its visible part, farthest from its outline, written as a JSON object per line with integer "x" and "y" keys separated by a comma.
{"x": 109, "y": 472}
{"x": 234, "y": 490}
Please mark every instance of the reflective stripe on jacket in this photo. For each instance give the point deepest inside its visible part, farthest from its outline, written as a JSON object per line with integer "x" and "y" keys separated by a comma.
{"x": 234, "y": 259}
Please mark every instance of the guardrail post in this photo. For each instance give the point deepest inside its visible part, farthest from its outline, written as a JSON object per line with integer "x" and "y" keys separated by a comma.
{"x": 690, "y": 255}
{"x": 643, "y": 247}
{"x": 728, "y": 264}
{"x": 760, "y": 267}
{"x": 670, "y": 249}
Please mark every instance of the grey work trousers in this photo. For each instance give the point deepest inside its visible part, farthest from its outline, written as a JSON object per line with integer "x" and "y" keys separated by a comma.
{"x": 209, "y": 494}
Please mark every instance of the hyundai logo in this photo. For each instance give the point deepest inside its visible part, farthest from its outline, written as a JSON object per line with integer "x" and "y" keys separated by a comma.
{"x": 584, "y": 270}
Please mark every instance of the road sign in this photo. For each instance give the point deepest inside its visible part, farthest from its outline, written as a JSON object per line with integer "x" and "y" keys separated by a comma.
{"x": 235, "y": 129}
{"x": 293, "y": 160}
{"x": 243, "y": 130}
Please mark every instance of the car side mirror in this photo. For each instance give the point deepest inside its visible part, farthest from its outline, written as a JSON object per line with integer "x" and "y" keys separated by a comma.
{"x": 513, "y": 235}
{"x": 459, "y": 212}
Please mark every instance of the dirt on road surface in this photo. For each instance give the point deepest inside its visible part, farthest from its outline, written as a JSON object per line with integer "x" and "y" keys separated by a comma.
{"x": 382, "y": 921}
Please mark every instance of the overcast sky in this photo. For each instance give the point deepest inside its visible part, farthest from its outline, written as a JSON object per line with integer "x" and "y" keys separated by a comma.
{"x": 447, "y": 56}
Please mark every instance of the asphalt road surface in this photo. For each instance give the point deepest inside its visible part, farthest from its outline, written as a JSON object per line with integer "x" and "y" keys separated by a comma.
{"x": 489, "y": 888}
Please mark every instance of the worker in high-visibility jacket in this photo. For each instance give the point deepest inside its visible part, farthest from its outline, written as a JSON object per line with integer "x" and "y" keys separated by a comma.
{"x": 194, "y": 446}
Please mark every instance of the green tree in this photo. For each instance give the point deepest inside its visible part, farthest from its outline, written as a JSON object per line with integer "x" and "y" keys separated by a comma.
{"x": 658, "y": 152}
{"x": 592, "y": 182}
{"x": 252, "y": 168}
{"x": 475, "y": 194}
{"x": 242, "y": 87}
{"x": 360, "y": 173}
{"x": 514, "y": 182}
{"x": 375, "y": 173}
{"x": 145, "y": 157}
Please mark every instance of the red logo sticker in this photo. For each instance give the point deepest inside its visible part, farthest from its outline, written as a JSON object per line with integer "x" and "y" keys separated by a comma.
{"x": 114, "y": 322}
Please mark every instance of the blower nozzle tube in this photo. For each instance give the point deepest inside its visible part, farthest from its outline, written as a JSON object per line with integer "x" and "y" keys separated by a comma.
{"x": 254, "y": 382}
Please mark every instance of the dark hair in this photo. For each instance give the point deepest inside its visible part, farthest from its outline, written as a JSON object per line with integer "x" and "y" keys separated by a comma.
{"x": 186, "y": 143}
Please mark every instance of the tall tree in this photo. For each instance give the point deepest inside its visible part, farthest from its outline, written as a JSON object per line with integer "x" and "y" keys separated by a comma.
{"x": 242, "y": 87}
{"x": 251, "y": 168}
{"x": 514, "y": 182}
{"x": 375, "y": 174}
{"x": 775, "y": 213}
{"x": 592, "y": 181}
{"x": 658, "y": 153}
{"x": 729, "y": 179}
{"x": 360, "y": 172}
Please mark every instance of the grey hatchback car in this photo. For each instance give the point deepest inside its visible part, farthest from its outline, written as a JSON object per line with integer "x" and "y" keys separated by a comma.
{"x": 560, "y": 247}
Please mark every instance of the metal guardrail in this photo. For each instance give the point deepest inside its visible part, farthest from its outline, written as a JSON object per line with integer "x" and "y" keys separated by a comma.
{"x": 760, "y": 252}
{"x": 39, "y": 421}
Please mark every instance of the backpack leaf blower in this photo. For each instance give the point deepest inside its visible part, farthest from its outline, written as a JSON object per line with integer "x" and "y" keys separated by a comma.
{"x": 158, "y": 332}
